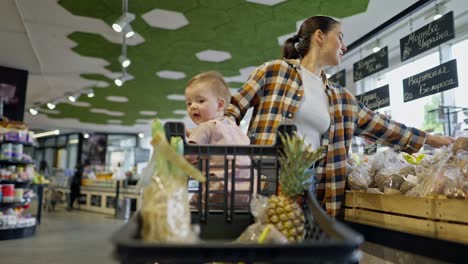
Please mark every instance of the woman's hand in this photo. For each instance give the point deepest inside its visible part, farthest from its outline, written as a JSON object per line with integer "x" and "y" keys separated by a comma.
{"x": 437, "y": 141}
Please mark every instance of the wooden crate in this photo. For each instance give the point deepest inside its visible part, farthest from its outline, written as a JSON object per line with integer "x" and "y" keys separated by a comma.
{"x": 439, "y": 218}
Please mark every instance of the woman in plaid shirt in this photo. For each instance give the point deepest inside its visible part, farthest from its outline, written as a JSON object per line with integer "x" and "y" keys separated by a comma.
{"x": 295, "y": 90}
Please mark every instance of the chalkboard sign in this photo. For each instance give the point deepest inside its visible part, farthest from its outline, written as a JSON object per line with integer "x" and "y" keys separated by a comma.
{"x": 370, "y": 64}
{"x": 438, "y": 79}
{"x": 427, "y": 37}
{"x": 376, "y": 98}
{"x": 339, "y": 78}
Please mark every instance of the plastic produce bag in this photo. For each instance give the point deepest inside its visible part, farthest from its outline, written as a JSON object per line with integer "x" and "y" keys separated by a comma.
{"x": 387, "y": 166}
{"x": 165, "y": 212}
{"x": 359, "y": 177}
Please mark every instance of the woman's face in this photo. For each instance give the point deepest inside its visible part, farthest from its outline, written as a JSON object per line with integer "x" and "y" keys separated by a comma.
{"x": 333, "y": 46}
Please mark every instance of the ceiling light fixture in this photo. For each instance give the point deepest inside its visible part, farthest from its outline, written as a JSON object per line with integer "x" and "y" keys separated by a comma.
{"x": 90, "y": 94}
{"x": 51, "y": 106}
{"x": 123, "y": 21}
{"x": 128, "y": 31}
{"x": 140, "y": 135}
{"x": 86, "y": 135}
{"x": 72, "y": 98}
{"x": 122, "y": 79}
{"x": 124, "y": 61}
{"x": 33, "y": 111}
{"x": 48, "y": 133}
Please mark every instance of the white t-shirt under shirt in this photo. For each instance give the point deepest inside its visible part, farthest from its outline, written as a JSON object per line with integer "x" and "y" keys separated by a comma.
{"x": 312, "y": 117}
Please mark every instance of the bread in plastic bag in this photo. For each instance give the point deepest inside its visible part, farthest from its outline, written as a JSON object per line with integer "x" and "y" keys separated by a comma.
{"x": 165, "y": 212}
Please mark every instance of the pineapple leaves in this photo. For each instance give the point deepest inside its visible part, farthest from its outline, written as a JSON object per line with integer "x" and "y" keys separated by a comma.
{"x": 296, "y": 161}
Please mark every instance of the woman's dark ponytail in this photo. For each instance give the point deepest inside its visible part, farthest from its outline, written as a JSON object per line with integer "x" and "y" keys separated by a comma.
{"x": 289, "y": 49}
{"x": 298, "y": 46}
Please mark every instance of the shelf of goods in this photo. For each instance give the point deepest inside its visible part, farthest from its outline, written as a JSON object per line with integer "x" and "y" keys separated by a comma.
{"x": 434, "y": 220}
{"x": 12, "y": 225}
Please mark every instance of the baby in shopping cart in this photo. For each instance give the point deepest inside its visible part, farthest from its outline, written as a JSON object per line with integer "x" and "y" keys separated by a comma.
{"x": 206, "y": 97}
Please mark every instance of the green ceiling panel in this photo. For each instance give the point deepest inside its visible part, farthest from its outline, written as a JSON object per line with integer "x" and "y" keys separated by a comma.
{"x": 248, "y": 31}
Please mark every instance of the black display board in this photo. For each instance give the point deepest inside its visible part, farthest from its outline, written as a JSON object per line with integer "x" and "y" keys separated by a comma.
{"x": 370, "y": 64}
{"x": 13, "y": 84}
{"x": 438, "y": 79}
{"x": 376, "y": 98}
{"x": 339, "y": 78}
{"x": 427, "y": 37}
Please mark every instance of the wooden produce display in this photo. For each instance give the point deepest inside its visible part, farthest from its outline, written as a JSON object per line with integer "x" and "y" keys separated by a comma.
{"x": 435, "y": 217}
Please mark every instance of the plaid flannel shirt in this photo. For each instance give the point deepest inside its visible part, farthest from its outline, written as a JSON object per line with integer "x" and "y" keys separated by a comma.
{"x": 275, "y": 90}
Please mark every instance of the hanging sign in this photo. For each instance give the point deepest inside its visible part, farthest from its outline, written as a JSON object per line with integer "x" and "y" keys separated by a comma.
{"x": 376, "y": 98}
{"x": 427, "y": 37}
{"x": 339, "y": 78}
{"x": 438, "y": 79}
{"x": 370, "y": 64}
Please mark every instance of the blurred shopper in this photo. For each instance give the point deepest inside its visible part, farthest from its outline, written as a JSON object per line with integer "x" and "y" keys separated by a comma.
{"x": 75, "y": 185}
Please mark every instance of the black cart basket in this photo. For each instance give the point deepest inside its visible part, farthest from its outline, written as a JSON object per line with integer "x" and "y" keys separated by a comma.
{"x": 326, "y": 241}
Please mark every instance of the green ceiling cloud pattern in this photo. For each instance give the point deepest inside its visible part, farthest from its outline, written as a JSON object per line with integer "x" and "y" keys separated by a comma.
{"x": 248, "y": 31}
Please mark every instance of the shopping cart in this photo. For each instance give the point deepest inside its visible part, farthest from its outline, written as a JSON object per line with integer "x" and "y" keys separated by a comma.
{"x": 326, "y": 241}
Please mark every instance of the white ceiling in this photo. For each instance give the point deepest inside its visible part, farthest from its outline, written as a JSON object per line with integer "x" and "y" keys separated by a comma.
{"x": 34, "y": 38}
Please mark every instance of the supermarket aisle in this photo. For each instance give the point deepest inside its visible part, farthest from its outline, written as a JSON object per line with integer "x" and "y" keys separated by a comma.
{"x": 65, "y": 237}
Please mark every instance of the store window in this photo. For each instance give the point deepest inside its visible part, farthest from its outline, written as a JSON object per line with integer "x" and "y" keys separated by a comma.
{"x": 120, "y": 151}
{"x": 460, "y": 52}
{"x": 72, "y": 151}
{"x": 412, "y": 113}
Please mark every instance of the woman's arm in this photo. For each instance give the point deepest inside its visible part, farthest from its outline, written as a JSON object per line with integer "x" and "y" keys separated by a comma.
{"x": 248, "y": 95}
{"x": 379, "y": 128}
{"x": 438, "y": 141}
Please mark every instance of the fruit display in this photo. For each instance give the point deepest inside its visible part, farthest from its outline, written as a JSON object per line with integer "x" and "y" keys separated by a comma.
{"x": 444, "y": 173}
{"x": 165, "y": 212}
{"x": 283, "y": 210}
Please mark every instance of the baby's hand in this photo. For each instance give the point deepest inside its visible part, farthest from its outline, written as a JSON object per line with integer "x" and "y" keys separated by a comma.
{"x": 188, "y": 132}
{"x": 193, "y": 159}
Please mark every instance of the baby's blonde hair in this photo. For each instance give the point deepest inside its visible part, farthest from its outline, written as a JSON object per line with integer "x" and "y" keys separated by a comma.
{"x": 215, "y": 83}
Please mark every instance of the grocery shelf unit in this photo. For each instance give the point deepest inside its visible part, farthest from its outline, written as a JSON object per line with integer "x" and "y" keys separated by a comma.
{"x": 7, "y": 233}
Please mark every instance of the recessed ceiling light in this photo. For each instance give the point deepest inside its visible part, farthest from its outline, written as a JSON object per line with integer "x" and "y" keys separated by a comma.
{"x": 72, "y": 98}
{"x": 86, "y": 135}
{"x": 140, "y": 135}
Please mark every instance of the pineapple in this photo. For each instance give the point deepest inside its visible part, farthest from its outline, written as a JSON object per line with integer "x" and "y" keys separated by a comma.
{"x": 282, "y": 210}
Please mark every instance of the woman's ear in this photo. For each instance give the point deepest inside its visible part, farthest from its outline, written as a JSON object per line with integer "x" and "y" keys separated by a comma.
{"x": 221, "y": 104}
{"x": 319, "y": 36}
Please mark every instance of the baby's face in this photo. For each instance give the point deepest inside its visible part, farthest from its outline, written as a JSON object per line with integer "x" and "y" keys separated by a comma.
{"x": 202, "y": 104}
